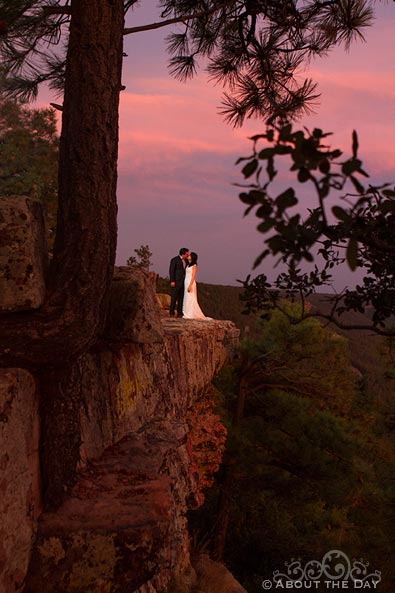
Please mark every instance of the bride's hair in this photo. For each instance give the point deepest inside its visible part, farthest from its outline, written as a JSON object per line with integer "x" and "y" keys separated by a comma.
{"x": 193, "y": 258}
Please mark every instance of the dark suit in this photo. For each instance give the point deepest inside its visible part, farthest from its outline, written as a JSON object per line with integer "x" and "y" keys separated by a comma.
{"x": 177, "y": 275}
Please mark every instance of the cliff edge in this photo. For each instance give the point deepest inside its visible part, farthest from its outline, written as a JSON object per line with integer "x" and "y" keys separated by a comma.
{"x": 150, "y": 442}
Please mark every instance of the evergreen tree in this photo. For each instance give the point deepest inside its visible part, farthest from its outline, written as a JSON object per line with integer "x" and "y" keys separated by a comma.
{"x": 143, "y": 259}
{"x": 29, "y": 157}
{"x": 300, "y": 475}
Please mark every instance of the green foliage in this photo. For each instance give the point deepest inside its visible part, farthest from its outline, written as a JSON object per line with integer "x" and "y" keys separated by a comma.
{"x": 143, "y": 259}
{"x": 309, "y": 469}
{"x": 29, "y": 156}
{"x": 317, "y": 357}
{"x": 357, "y": 231}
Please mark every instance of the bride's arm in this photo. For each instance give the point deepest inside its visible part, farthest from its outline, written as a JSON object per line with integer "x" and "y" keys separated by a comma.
{"x": 192, "y": 278}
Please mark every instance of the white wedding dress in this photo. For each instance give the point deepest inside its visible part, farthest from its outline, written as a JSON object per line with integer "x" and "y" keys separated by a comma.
{"x": 191, "y": 309}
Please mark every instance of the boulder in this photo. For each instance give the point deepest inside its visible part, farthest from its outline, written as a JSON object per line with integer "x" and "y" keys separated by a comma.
{"x": 133, "y": 311}
{"x": 163, "y": 300}
{"x": 19, "y": 475}
{"x": 214, "y": 577}
{"x": 23, "y": 254}
{"x": 124, "y": 523}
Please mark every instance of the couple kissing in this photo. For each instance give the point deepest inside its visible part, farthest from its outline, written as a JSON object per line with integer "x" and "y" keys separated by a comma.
{"x": 182, "y": 273}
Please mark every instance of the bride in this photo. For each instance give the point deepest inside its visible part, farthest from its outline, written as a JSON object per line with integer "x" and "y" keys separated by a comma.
{"x": 191, "y": 309}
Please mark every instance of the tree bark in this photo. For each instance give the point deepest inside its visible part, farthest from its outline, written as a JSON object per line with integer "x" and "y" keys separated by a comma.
{"x": 60, "y": 435}
{"x": 84, "y": 252}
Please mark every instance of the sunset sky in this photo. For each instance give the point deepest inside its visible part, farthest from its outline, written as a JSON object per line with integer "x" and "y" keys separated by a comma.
{"x": 177, "y": 156}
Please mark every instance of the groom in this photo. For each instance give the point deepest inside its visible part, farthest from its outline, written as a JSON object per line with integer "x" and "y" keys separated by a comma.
{"x": 177, "y": 277}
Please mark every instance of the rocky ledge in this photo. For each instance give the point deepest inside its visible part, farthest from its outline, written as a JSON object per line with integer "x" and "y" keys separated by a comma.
{"x": 150, "y": 443}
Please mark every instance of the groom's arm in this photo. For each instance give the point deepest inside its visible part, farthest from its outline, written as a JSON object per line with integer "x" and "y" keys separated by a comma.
{"x": 172, "y": 271}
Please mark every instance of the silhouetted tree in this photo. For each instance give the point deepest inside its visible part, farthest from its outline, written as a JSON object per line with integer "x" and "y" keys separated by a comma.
{"x": 352, "y": 223}
{"x": 143, "y": 259}
{"x": 253, "y": 48}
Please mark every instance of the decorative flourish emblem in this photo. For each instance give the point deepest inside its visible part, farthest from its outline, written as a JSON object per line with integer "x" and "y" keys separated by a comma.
{"x": 335, "y": 565}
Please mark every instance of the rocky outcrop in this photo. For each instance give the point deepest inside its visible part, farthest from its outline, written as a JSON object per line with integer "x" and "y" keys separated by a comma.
{"x": 213, "y": 577}
{"x": 19, "y": 475}
{"x": 127, "y": 384}
{"x": 134, "y": 314}
{"x": 124, "y": 523}
{"x": 205, "y": 576}
{"x": 150, "y": 443}
{"x": 22, "y": 254}
{"x": 164, "y": 301}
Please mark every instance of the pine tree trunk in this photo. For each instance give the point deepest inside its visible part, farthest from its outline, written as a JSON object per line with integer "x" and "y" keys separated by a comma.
{"x": 85, "y": 243}
{"x": 60, "y": 434}
{"x": 51, "y": 339}
{"x": 84, "y": 251}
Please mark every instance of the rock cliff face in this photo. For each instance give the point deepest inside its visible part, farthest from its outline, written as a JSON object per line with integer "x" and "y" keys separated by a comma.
{"x": 150, "y": 442}
{"x": 19, "y": 474}
{"x": 22, "y": 254}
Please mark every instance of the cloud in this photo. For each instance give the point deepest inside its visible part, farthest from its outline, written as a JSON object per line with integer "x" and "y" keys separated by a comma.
{"x": 163, "y": 114}
{"x": 361, "y": 101}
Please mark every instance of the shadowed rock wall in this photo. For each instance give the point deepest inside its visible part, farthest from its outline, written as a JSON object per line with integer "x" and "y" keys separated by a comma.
{"x": 19, "y": 474}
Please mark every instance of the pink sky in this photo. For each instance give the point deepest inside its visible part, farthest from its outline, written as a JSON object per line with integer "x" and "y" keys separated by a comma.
{"x": 176, "y": 158}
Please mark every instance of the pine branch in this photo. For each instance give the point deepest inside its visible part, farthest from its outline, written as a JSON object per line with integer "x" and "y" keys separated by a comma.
{"x": 180, "y": 19}
{"x": 51, "y": 10}
{"x": 57, "y": 106}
